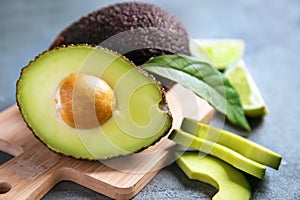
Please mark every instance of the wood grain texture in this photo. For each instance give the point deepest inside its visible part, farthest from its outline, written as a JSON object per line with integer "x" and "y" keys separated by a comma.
{"x": 35, "y": 169}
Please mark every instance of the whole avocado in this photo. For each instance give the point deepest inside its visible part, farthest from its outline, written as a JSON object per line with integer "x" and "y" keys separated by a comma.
{"x": 136, "y": 30}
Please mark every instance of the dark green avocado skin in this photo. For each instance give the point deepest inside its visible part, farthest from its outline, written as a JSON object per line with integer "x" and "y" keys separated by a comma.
{"x": 136, "y": 30}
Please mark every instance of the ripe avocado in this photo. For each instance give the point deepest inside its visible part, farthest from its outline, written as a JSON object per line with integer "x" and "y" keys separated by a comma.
{"x": 237, "y": 143}
{"x": 228, "y": 155}
{"x": 231, "y": 183}
{"x": 137, "y": 30}
{"x": 91, "y": 103}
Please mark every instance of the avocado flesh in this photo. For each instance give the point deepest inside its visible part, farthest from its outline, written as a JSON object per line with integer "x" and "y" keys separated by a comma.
{"x": 235, "y": 159}
{"x": 127, "y": 131}
{"x": 237, "y": 143}
{"x": 230, "y": 182}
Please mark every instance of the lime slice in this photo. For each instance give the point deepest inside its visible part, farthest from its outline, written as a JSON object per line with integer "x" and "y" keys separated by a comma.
{"x": 252, "y": 101}
{"x": 223, "y": 52}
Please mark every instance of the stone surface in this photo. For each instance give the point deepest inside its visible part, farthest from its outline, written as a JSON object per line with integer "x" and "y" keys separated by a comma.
{"x": 271, "y": 30}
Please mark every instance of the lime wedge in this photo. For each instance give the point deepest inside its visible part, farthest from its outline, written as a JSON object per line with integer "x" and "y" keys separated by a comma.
{"x": 252, "y": 101}
{"x": 223, "y": 52}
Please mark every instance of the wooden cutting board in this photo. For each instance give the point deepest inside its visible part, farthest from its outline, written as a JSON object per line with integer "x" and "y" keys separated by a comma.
{"x": 35, "y": 169}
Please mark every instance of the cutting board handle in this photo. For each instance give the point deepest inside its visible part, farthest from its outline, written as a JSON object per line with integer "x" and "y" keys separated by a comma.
{"x": 30, "y": 175}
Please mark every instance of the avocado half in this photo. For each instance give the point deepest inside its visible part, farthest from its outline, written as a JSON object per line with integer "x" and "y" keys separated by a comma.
{"x": 136, "y": 30}
{"x": 59, "y": 90}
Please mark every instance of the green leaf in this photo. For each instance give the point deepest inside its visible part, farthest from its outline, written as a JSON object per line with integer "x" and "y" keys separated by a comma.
{"x": 204, "y": 80}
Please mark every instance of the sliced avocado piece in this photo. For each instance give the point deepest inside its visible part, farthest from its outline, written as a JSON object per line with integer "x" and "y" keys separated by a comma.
{"x": 231, "y": 183}
{"x": 138, "y": 30}
{"x": 237, "y": 143}
{"x": 235, "y": 159}
{"x": 91, "y": 103}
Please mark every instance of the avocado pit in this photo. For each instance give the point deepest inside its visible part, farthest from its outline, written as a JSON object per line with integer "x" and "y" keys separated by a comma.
{"x": 84, "y": 101}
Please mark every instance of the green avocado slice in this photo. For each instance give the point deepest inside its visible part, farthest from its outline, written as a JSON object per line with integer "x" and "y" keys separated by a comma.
{"x": 231, "y": 183}
{"x": 228, "y": 155}
{"x": 237, "y": 143}
{"x": 140, "y": 118}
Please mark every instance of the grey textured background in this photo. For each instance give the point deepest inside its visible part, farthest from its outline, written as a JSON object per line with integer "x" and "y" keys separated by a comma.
{"x": 271, "y": 30}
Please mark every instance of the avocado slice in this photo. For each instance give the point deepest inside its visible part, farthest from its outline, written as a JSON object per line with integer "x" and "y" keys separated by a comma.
{"x": 237, "y": 143}
{"x": 91, "y": 103}
{"x": 228, "y": 155}
{"x": 231, "y": 183}
{"x": 137, "y": 30}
